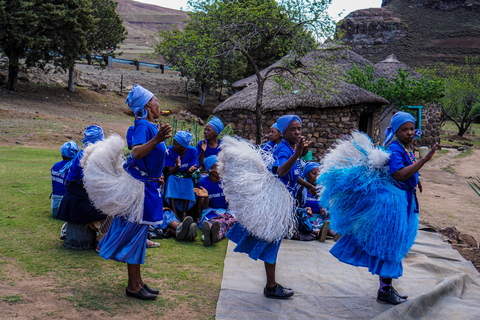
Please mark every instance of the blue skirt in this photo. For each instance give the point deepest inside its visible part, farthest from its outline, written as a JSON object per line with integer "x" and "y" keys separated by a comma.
{"x": 125, "y": 242}
{"x": 255, "y": 248}
{"x": 348, "y": 251}
{"x": 180, "y": 188}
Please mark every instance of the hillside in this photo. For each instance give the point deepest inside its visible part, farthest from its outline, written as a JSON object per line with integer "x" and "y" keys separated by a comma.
{"x": 143, "y": 20}
{"x": 419, "y": 32}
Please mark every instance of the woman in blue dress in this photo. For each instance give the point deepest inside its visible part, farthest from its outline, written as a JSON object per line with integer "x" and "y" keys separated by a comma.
{"x": 286, "y": 155}
{"x": 275, "y": 136}
{"x": 404, "y": 170}
{"x": 210, "y": 146}
{"x": 181, "y": 162}
{"x": 126, "y": 241}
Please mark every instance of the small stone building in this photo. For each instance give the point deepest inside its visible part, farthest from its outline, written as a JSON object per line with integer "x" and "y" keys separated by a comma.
{"x": 326, "y": 115}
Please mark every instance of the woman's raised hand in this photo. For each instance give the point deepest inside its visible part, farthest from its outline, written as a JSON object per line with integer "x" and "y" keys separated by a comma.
{"x": 204, "y": 145}
{"x": 164, "y": 132}
{"x": 431, "y": 152}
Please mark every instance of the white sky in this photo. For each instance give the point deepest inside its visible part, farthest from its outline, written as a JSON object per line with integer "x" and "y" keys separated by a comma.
{"x": 336, "y": 7}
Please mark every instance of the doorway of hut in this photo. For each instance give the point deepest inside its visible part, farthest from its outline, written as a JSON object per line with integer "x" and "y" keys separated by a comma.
{"x": 365, "y": 124}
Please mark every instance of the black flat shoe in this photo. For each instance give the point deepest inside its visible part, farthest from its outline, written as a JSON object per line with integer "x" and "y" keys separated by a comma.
{"x": 277, "y": 292}
{"x": 142, "y": 294}
{"x": 398, "y": 294}
{"x": 151, "y": 290}
{"x": 207, "y": 235}
{"x": 389, "y": 297}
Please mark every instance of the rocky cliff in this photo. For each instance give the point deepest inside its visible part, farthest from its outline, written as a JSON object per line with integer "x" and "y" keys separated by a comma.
{"x": 419, "y": 32}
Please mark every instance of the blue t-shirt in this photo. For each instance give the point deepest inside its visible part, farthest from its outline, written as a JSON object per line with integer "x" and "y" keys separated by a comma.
{"x": 76, "y": 171}
{"x": 216, "y": 197}
{"x": 189, "y": 159}
{"x": 399, "y": 159}
{"x": 269, "y": 146}
{"x": 282, "y": 153}
{"x": 312, "y": 203}
{"x": 58, "y": 179}
{"x": 153, "y": 162}
{"x": 210, "y": 151}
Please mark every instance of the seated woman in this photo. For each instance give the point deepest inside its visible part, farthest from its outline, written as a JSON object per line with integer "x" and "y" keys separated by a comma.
{"x": 59, "y": 173}
{"x": 210, "y": 146}
{"x": 275, "y": 137}
{"x": 319, "y": 219}
{"x": 181, "y": 162}
{"x": 216, "y": 219}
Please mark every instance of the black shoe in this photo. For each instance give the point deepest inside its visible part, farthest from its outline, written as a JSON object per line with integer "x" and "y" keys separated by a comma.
{"x": 389, "y": 297}
{"x": 142, "y": 294}
{"x": 151, "y": 290}
{"x": 183, "y": 228}
{"x": 192, "y": 232}
{"x": 207, "y": 239}
{"x": 398, "y": 294}
{"x": 215, "y": 231}
{"x": 277, "y": 292}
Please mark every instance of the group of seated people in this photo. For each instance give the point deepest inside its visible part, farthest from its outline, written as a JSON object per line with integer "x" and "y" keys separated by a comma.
{"x": 192, "y": 190}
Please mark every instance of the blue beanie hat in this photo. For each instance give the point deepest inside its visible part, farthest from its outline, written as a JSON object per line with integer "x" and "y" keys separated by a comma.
{"x": 69, "y": 149}
{"x": 92, "y": 134}
{"x": 216, "y": 124}
{"x": 309, "y": 167}
{"x": 284, "y": 121}
{"x": 137, "y": 98}
{"x": 398, "y": 119}
{"x": 184, "y": 138}
{"x": 209, "y": 162}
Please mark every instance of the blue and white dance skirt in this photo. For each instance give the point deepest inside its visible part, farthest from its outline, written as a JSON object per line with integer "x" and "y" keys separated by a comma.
{"x": 180, "y": 188}
{"x": 347, "y": 250}
{"x": 256, "y": 248}
{"x": 125, "y": 242}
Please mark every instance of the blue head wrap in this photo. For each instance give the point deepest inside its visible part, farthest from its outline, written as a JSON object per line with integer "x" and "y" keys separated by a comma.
{"x": 284, "y": 121}
{"x": 216, "y": 124}
{"x": 69, "y": 149}
{"x": 275, "y": 125}
{"x": 398, "y": 119}
{"x": 184, "y": 138}
{"x": 137, "y": 98}
{"x": 209, "y": 162}
{"x": 309, "y": 167}
{"x": 130, "y": 136}
{"x": 92, "y": 134}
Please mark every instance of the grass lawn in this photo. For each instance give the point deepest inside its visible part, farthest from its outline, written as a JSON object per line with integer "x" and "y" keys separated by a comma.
{"x": 188, "y": 274}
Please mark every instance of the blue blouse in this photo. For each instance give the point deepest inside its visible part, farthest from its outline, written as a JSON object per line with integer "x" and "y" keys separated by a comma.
{"x": 58, "y": 179}
{"x": 154, "y": 161}
{"x": 76, "y": 171}
{"x": 189, "y": 159}
{"x": 216, "y": 197}
{"x": 282, "y": 153}
{"x": 399, "y": 159}
{"x": 210, "y": 151}
{"x": 269, "y": 146}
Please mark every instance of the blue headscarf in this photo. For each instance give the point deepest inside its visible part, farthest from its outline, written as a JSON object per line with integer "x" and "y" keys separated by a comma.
{"x": 184, "y": 138}
{"x": 92, "y": 134}
{"x": 137, "y": 98}
{"x": 284, "y": 121}
{"x": 216, "y": 124}
{"x": 69, "y": 149}
{"x": 209, "y": 162}
{"x": 309, "y": 167}
{"x": 398, "y": 119}
{"x": 275, "y": 125}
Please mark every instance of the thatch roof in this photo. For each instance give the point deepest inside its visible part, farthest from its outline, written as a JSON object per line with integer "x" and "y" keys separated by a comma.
{"x": 340, "y": 95}
{"x": 389, "y": 67}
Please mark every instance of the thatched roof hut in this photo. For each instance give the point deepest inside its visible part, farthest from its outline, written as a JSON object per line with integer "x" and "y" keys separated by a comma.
{"x": 327, "y": 112}
{"x": 389, "y": 67}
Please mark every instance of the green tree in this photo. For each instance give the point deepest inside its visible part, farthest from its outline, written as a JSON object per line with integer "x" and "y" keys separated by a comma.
{"x": 261, "y": 31}
{"x": 461, "y": 102}
{"x": 401, "y": 90}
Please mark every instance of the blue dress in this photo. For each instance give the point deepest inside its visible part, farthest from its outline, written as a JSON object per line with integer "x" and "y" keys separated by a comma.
{"x": 210, "y": 151}
{"x": 349, "y": 251}
{"x": 179, "y": 187}
{"x": 126, "y": 241}
{"x": 246, "y": 243}
{"x": 269, "y": 146}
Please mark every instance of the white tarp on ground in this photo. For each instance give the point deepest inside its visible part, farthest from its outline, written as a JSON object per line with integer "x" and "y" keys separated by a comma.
{"x": 439, "y": 282}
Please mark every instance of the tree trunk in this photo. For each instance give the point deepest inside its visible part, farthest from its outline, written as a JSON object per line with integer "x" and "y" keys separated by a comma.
{"x": 71, "y": 79}
{"x": 89, "y": 59}
{"x": 13, "y": 69}
{"x": 258, "y": 110}
{"x": 186, "y": 88}
{"x": 202, "y": 95}
{"x": 220, "y": 94}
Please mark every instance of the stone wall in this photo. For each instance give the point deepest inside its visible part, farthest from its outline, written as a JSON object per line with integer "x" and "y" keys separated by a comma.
{"x": 322, "y": 126}
{"x": 431, "y": 117}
